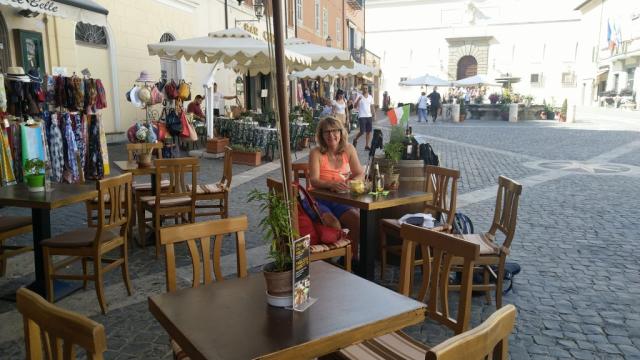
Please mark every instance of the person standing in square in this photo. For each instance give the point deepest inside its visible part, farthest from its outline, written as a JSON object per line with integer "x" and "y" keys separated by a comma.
{"x": 366, "y": 115}
{"x": 218, "y": 100}
{"x": 435, "y": 103}
{"x": 423, "y": 102}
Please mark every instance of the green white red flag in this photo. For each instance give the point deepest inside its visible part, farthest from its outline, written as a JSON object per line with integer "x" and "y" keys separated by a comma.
{"x": 399, "y": 115}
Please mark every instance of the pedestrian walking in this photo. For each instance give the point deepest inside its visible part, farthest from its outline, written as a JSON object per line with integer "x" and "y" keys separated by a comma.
{"x": 386, "y": 101}
{"x": 435, "y": 103}
{"x": 366, "y": 115}
{"x": 423, "y": 102}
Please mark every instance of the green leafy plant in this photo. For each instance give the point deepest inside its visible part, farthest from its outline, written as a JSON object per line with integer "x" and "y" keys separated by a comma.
{"x": 506, "y": 97}
{"x": 276, "y": 227}
{"x": 34, "y": 166}
{"x": 393, "y": 151}
{"x": 244, "y": 148}
{"x": 397, "y": 134}
{"x": 563, "y": 110}
{"x": 478, "y": 99}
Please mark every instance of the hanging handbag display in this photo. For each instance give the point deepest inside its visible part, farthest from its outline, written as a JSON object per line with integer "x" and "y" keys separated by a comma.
{"x": 184, "y": 91}
{"x": 193, "y": 135}
{"x": 174, "y": 125}
{"x": 162, "y": 129}
{"x": 171, "y": 89}
{"x": 156, "y": 96}
{"x": 185, "y": 125}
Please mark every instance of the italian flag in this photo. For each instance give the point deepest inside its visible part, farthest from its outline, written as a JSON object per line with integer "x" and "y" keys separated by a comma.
{"x": 399, "y": 114}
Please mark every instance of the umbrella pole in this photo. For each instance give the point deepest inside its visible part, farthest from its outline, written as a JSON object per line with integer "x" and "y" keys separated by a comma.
{"x": 281, "y": 90}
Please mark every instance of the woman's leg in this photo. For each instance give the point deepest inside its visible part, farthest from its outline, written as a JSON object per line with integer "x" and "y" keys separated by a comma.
{"x": 351, "y": 220}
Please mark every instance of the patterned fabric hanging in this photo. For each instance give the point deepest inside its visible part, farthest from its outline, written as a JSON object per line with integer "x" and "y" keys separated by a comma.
{"x": 6, "y": 161}
{"x": 56, "y": 149}
{"x": 15, "y": 139}
{"x": 70, "y": 173}
{"x": 94, "y": 167}
{"x": 80, "y": 135}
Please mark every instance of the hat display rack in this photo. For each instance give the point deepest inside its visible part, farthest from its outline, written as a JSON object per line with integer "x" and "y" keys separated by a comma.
{"x": 143, "y": 95}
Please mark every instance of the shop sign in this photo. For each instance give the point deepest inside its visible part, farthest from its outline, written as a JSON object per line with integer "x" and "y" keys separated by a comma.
{"x": 255, "y": 31}
{"x": 38, "y": 5}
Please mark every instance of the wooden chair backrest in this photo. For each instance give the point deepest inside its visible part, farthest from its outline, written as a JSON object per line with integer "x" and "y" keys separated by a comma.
{"x": 301, "y": 171}
{"x": 506, "y": 210}
{"x": 277, "y": 187}
{"x": 227, "y": 171}
{"x": 175, "y": 170}
{"x": 116, "y": 213}
{"x": 133, "y": 149}
{"x": 443, "y": 249}
{"x": 489, "y": 340}
{"x": 439, "y": 181}
{"x": 51, "y": 332}
{"x": 202, "y": 232}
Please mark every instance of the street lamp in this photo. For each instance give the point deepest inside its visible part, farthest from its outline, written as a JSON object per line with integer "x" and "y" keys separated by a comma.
{"x": 328, "y": 41}
{"x": 258, "y": 9}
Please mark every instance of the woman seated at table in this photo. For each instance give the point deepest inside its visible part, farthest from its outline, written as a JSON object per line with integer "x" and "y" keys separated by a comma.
{"x": 331, "y": 164}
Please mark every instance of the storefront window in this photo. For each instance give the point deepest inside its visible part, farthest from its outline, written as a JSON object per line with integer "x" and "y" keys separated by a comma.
{"x": 299, "y": 11}
{"x": 631, "y": 72}
{"x": 317, "y": 14}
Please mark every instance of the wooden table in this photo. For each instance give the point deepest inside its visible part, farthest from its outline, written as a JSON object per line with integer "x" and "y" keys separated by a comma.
{"x": 231, "y": 319}
{"x": 368, "y": 205}
{"x": 41, "y": 204}
{"x": 132, "y": 167}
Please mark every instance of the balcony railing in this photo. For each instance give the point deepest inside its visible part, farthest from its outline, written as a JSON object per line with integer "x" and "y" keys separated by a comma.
{"x": 356, "y": 4}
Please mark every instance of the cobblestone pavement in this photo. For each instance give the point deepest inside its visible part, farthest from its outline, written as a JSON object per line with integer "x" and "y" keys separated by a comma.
{"x": 577, "y": 296}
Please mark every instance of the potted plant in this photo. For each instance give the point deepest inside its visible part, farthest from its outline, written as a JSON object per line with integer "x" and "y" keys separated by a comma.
{"x": 528, "y": 100}
{"x": 278, "y": 233}
{"x": 463, "y": 109}
{"x": 493, "y": 98}
{"x": 246, "y": 155}
{"x": 393, "y": 153}
{"x": 548, "y": 110}
{"x": 34, "y": 169}
{"x": 563, "y": 111}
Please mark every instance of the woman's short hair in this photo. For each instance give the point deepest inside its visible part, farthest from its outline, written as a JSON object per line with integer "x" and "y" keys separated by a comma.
{"x": 331, "y": 123}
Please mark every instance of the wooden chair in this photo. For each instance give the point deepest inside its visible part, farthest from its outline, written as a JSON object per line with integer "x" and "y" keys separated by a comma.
{"x": 444, "y": 248}
{"x": 218, "y": 192}
{"x": 174, "y": 201}
{"x": 11, "y": 226}
{"x": 320, "y": 251}
{"x": 51, "y": 332}
{"x": 301, "y": 171}
{"x": 443, "y": 183}
{"x": 202, "y": 232}
{"x": 93, "y": 243}
{"x": 491, "y": 252}
{"x": 489, "y": 340}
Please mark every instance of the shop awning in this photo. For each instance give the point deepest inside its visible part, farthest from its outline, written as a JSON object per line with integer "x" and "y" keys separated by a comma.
{"x": 322, "y": 57}
{"x": 86, "y": 11}
{"x": 426, "y": 80}
{"x": 357, "y": 70}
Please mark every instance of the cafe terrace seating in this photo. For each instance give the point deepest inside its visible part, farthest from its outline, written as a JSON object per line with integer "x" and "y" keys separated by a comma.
{"x": 445, "y": 248}
{"x": 93, "y": 243}
{"x": 11, "y": 226}
{"x": 341, "y": 247}
{"x": 202, "y": 232}
{"x": 216, "y": 196}
{"x": 51, "y": 332}
{"x": 491, "y": 252}
{"x": 443, "y": 184}
{"x": 176, "y": 201}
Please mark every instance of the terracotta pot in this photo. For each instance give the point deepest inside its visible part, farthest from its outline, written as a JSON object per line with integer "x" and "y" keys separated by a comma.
{"x": 278, "y": 283}
{"x": 144, "y": 160}
{"x": 217, "y": 145}
{"x": 247, "y": 158}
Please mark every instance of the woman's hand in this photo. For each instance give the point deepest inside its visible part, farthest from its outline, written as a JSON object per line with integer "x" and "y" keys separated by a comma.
{"x": 339, "y": 187}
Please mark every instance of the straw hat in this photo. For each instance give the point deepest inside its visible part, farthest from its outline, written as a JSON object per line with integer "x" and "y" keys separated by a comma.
{"x": 16, "y": 73}
{"x": 145, "y": 95}
{"x": 145, "y": 77}
{"x": 135, "y": 99}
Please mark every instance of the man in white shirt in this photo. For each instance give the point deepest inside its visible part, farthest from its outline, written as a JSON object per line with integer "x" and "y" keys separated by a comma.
{"x": 218, "y": 100}
{"x": 423, "y": 102}
{"x": 366, "y": 115}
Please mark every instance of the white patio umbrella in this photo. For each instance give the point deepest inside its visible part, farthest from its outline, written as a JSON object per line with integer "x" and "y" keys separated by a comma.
{"x": 226, "y": 46}
{"x": 477, "y": 80}
{"x": 357, "y": 70}
{"x": 322, "y": 57}
{"x": 426, "y": 79}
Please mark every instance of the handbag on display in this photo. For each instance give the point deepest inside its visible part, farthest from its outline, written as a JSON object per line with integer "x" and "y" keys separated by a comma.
{"x": 171, "y": 89}
{"x": 174, "y": 125}
{"x": 185, "y": 125}
{"x": 162, "y": 129}
{"x": 156, "y": 96}
{"x": 184, "y": 91}
{"x": 193, "y": 135}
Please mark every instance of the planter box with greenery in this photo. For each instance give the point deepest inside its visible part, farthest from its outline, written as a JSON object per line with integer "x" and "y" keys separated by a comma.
{"x": 246, "y": 155}
{"x": 34, "y": 174}
{"x": 217, "y": 145}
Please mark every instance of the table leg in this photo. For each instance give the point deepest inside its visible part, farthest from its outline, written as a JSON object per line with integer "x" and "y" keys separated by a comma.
{"x": 41, "y": 231}
{"x": 368, "y": 244}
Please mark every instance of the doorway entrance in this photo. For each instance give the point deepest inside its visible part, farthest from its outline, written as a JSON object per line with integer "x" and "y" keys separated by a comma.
{"x": 467, "y": 66}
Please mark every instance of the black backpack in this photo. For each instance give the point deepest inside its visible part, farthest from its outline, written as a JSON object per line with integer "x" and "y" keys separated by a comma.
{"x": 174, "y": 125}
{"x": 462, "y": 224}
{"x": 428, "y": 156}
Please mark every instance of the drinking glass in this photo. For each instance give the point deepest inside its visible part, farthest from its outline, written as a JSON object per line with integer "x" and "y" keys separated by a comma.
{"x": 380, "y": 183}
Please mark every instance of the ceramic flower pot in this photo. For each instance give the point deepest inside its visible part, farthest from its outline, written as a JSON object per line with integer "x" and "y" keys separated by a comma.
{"x": 279, "y": 286}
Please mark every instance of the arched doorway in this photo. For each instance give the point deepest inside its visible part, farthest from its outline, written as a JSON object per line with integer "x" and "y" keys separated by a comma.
{"x": 5, "y": 56}
{"x": 467, "y": 66}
